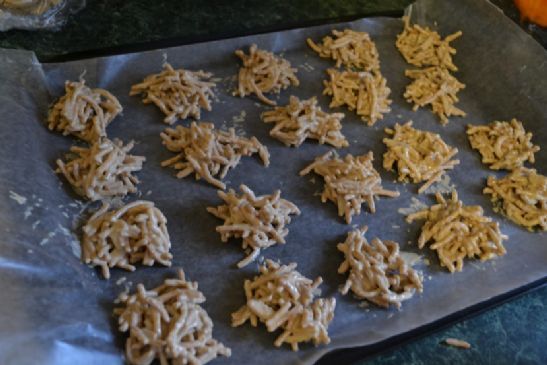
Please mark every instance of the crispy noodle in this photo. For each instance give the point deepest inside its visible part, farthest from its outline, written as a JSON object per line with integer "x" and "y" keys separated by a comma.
{"x": 377, "y": 271}
{"x": 434, "y": 86}
{"x": 502, "y": 145}
{"x": 418, "y": 155}
{"x": 349, "y": 182}
{"x": 364, "y": 92}
{"x": 354, "y": 50}
{"x": 179, "y": 94}
{"x": 136, "y": 232}
{"x": 168, "y": 324}
{"x": 259, "y": 220}
{"x": 281, "y": 298}
{"x": 206, "y": 152}
{"x": 263, "y": 72}
{"x": 103, "y": 170}
{"x": 521, "y": 196}
{"x": 302, "y": 119}
{"x": 83, "y": 112}
{"x": 454, "y": 342}
{"x": 457, "y": 231}
{"x": 425, "y": 47}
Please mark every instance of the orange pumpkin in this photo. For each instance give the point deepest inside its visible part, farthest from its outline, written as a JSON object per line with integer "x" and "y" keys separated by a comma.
{"x": 534, "y": 11}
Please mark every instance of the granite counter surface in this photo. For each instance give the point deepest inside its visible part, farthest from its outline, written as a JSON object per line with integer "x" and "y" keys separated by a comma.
{"x": 512, "y": 333}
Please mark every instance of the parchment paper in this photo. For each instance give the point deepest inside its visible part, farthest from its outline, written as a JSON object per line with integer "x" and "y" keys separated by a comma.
{"x": 54, "y": 310}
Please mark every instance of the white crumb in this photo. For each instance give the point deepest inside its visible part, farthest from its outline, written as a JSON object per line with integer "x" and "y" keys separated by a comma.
{"x": 28, "y": 212}
{"x": 410, "y": 258}
{"x": 239, "y": 118}
{"x": 64, "y": 230}
{"x": 307, "y": 67}
{"x": 415, "y": 206}
{"x": 444, "y": 185}
{"x": 18, "y": 198}
{"x": 75, "y": 248}
{"x": 46, "y": 239}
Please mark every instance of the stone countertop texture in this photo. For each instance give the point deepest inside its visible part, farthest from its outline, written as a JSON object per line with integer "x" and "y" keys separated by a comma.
{"x": 512, "y": 333}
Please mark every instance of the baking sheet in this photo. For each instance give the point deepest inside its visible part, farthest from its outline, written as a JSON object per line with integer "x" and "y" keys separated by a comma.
{"x": 57, "y": 311}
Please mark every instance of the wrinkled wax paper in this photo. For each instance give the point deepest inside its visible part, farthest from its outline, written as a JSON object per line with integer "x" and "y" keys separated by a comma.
{"x": 55, "y": 310}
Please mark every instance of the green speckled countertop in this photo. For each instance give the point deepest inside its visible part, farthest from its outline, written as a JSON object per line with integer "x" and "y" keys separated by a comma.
{"x": 512, "y": 333}
{"x": 110, "y": 23}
